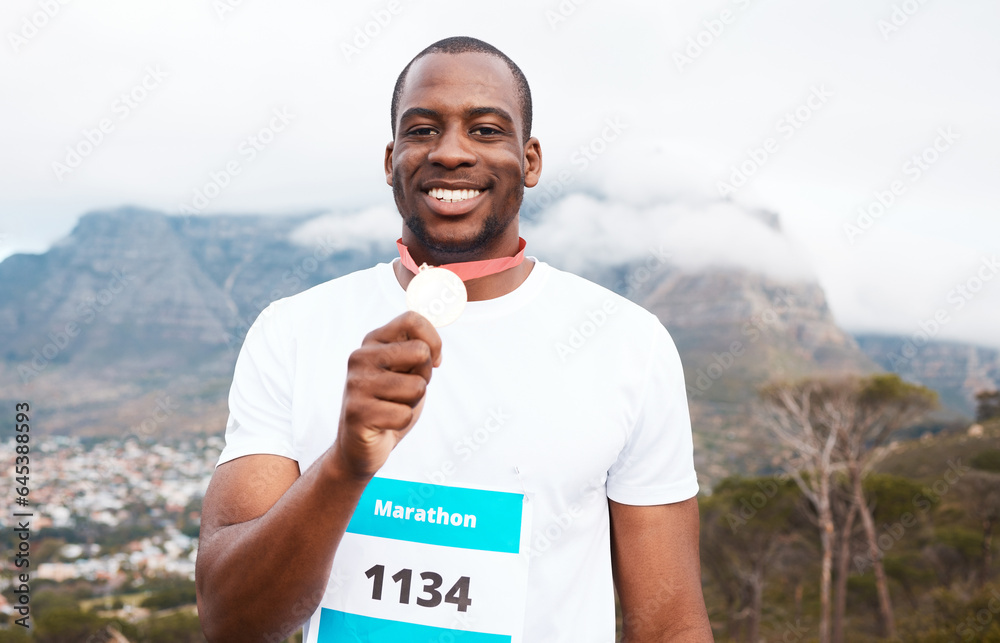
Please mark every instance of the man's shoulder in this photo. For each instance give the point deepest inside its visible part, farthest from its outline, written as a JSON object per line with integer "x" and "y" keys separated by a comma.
{"x": 365, "y": 278}
{"x": 322, "y": 301}
{"x": 573, "y": 291}
{"x": 345, "y": 286}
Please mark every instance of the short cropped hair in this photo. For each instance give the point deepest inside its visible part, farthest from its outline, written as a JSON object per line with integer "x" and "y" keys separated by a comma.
{"x": 461, "y": 45}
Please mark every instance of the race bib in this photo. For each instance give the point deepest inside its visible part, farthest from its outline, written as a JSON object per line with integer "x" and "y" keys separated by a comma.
{"x": 424, "y": 562}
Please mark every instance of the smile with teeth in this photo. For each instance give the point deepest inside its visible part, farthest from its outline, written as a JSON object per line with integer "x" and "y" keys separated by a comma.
{"x": 452, "y": 196}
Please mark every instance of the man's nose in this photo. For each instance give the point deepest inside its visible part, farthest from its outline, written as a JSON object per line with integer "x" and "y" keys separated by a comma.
{"x": 452, "y": 149}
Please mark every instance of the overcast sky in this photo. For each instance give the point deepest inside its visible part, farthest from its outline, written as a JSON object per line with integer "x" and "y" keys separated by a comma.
{"x": 825, "y": 104}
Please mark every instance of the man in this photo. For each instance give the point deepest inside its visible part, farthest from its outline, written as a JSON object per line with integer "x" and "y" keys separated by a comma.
{"x": 505, "y": 500}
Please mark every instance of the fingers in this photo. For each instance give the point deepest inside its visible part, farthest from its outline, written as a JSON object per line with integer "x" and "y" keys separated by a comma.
{"x": 384, "y": 391}
{"x": 388, "y": 386}
{"x": 406, "y": 327}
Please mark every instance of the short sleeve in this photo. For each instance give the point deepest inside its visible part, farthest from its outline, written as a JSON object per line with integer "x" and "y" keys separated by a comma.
{"x": 260, "y": 399}
{"x": 656, "y": 465}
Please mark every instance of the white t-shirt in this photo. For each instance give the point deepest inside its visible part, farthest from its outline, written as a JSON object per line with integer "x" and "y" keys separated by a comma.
{"x": 561, "y": 388}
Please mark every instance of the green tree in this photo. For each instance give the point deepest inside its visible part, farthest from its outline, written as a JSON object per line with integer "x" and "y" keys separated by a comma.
{"x": 747, "y": 525}
{"x": 62, "y": 625}
{"x": 179, "y": 627}
{"x": 987, "y": 460}
{"x": 866, "y": 412}
{"x": 979, "y": 493}
{"x": 182, "y": 594}
{"x": 987, "y": 405}
{"x": 831, "y": 425}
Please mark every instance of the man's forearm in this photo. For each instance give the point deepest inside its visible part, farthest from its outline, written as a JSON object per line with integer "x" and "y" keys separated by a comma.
{"x": 261, "y": 579}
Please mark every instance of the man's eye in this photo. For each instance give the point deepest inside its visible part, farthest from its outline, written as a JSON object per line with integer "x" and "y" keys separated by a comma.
{"x": 421, "y": 131}
{"x": 486, "y": 130}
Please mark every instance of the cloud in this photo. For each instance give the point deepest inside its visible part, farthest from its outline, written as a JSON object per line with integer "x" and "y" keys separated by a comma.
{"x": 377, "y": 227}
{"x": 899, "y": 280}
{"x": 581, "y": 231}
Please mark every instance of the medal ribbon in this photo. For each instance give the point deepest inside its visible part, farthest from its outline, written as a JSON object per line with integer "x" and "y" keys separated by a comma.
{"x": 467, "y": 270}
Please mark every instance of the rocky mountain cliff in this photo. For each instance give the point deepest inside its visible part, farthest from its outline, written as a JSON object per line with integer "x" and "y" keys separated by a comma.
{"x": 136, "y": 311}
{"x": 132, "y": 325}
{"x": 735, "y": 332}
{"x": 955, "y": 370}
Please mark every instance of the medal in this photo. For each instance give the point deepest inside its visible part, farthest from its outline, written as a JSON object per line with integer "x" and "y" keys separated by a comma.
{"x": 436, "y": 293}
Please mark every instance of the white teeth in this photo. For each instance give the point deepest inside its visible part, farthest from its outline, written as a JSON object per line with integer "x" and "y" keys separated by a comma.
{"x": 452, "y": 195}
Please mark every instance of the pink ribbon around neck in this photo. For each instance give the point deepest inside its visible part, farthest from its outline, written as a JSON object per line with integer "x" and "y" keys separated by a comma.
{"x": 467, "y": 270}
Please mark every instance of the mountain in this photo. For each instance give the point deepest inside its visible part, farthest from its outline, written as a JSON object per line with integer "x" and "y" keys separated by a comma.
{"x": 136, "y": 312}
{"x": 955, "y": 370}
{"x": 736, "y": 331}
{"x": 132, "y": 324}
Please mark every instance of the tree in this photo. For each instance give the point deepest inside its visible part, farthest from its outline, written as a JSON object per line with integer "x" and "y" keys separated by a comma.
{"x": 987, "y": 405}
{"x": 747, "y": 525}
{"x": 980, "y": 493}
{"x": 866, "y": 411}
{"x": 831, "y": 425}
{"x": 790, "y": 411}
{"x": 891, "y": 499}
{"x": 846, "y": 507}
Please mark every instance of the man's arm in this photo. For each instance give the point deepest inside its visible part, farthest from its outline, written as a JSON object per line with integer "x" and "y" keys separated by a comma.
{"x": 268, "y": 535}
{"x": 266, "y": 545}
{"x": 654, "y": 556}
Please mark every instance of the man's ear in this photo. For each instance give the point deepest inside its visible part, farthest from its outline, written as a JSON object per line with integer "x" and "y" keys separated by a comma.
{"x": 532, "y": 162}
{"x": 388, "y": 163}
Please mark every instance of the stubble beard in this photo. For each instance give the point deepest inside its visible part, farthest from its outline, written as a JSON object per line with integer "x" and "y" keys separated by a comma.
{"x": 494, "y": 225}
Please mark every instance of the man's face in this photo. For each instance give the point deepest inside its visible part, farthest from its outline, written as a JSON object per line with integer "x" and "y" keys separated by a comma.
{"x": 458, "y": 166}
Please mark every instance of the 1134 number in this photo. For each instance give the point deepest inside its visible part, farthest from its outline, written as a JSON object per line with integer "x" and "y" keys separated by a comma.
{"x": 457, "y": 595}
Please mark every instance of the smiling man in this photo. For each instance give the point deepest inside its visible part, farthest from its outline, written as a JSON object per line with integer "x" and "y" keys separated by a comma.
{"x": 505, "y": 500}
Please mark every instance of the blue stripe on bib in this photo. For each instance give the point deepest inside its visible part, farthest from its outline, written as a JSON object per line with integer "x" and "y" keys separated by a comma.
{"x": 439, "y": 515}
{"x": 341, "y": 627}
